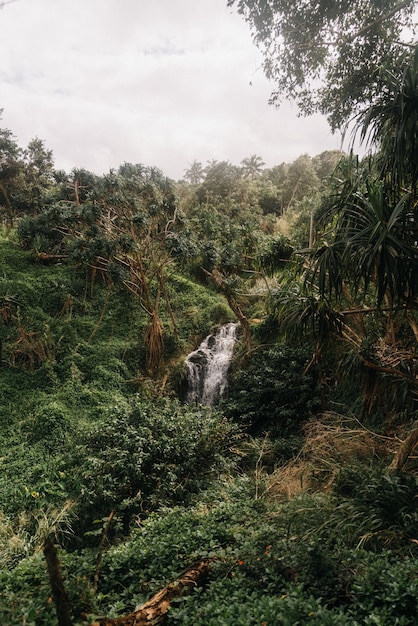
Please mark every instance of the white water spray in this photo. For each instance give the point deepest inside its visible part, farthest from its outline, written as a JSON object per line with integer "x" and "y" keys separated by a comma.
{"x": 207, "y": 367}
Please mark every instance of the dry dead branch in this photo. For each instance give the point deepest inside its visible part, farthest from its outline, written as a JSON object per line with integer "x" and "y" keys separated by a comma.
{"x": 153, "y": 612}
{"x": 67, "y": 308}
{"x": 405, "y": 451}
{"x": 50, "y": 259}
{"x": 30, "y": 349}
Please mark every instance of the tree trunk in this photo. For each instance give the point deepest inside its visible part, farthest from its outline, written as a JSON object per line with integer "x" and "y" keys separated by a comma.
{"x": 62, "y": 604}
{"x": 405, "y": 450}
{"x": 154, "y": 611}
{"x": 233, "y": 304}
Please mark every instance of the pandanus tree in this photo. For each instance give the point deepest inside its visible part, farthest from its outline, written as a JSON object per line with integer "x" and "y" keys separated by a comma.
{"x": 136, "y": 223}
{"x": 371, "y": 244}
{"x": 365, "y": 264}
{"x": 375, "y": 221}
{"x": 391, "y": 124}
{"x": 123, "y": 226}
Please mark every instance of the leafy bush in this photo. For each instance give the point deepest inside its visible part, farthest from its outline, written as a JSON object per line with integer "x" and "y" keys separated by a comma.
{"x": 50, "y": 425}
{"x": 384, "y": 589}
{"x": 272, "y": 564}
{"x": 26, "y": 595}
{"x": 234, "y": 602}
{"x": 271, "y": 393}
{"x": 382, "y": 511}
{"x": 142, "y": 453}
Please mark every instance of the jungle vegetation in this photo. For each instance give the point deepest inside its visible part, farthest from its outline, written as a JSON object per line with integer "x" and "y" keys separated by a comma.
{"x": 294, "y": 501}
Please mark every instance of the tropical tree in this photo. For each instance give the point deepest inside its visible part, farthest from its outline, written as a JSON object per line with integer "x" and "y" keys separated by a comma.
{"x": 301, "y": 181}
{"x": 252, "y": 166}
{"x": 26, "y": 176}
{"x": 359, "y": 282}
{"x": 220, "y": 181}
{"x": 36, "y": 179}
{"x": 210, "y": 164}
{"x": 326, "y": 162}
{"x": 122, "y": 226}
{"x": 326, "y": 55}
{"x": 132, "y": 238}
{"x": 195, "y": 173}
{"x": 268, "y": 196}
{"x": 372, "y": 246}
{"x": 375, "y": 221}
{"x": 10, "y": 166}
{"x": 391, "y": 126}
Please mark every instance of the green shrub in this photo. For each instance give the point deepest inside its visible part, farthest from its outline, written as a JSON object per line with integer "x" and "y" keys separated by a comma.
{"x": 266, "y": 566}
{"x": 382, "y": 511}
{"x": 384, "y": 588}
{"x": 271, "y": 393}
{"x": 142, "y": 453}
{"x": 50, "y": 424}
{"x": 234, "y": 602}
{"x": 26, "y": 595}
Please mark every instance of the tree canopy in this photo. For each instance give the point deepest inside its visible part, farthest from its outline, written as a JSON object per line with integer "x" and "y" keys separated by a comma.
{"x": 327, "y": 54}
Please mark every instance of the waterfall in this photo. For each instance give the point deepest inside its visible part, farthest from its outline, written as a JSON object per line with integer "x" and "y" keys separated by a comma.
{"x": 207, "y": 367}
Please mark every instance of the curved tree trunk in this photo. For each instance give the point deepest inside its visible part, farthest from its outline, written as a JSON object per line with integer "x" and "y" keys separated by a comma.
{"x": 233, "y": 303}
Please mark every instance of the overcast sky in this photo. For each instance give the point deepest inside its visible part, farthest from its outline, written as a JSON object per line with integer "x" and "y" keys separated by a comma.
{"x": 158, "y": 82}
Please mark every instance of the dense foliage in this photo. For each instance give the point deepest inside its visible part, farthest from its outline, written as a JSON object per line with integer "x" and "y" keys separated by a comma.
{"x": 299, "y": 491}
{"x": 273, "y": 393}
{"x": 328, "y": 55}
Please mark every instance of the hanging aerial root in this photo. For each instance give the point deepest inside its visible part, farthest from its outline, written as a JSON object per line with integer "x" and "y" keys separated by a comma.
{"x": 154, "y": 340}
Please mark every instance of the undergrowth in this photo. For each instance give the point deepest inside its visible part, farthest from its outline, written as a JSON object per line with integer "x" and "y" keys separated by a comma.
{"x": 301, "y": 522}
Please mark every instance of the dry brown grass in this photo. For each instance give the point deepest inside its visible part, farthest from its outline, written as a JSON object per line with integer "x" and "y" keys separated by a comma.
{"x": 332, "y": 441}
{"x": 30, "y": 349}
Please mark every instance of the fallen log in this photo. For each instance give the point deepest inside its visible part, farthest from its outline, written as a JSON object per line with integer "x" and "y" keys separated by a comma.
{"x": 155, "y": 610}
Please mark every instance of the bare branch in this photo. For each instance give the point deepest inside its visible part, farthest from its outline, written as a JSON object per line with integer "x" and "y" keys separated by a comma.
{"x": 382, "y": 18}
{"x": 4, "y": 2}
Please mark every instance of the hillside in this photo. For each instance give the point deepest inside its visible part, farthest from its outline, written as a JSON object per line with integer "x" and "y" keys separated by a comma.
{"x": 293, "y": 500}
{"x": 134, "y": 488}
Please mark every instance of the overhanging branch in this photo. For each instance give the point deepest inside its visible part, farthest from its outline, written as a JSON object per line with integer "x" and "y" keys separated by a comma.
{"x": 379, "y": 20}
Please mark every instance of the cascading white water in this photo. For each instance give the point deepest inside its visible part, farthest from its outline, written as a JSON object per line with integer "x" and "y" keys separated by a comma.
{"x": 207, "y": 367}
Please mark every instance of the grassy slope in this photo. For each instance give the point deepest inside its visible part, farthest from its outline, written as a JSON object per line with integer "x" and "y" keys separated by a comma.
{"x": 83, "y": 328}
{"x": 76, "y": 348}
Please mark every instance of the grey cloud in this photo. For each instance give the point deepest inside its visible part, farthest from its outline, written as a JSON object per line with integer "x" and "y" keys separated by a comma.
{"x": 162, "y": 82}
